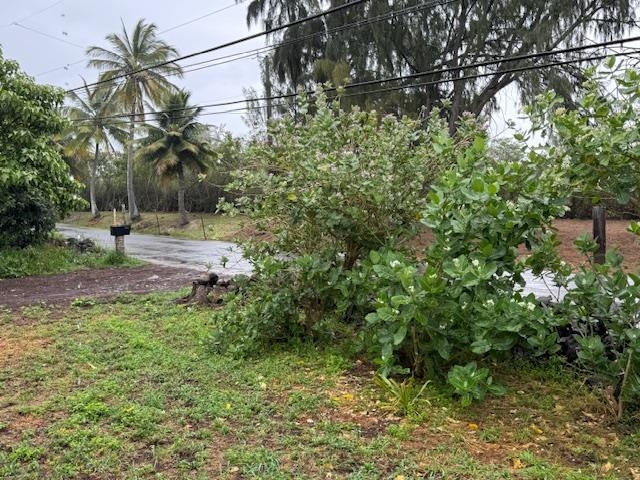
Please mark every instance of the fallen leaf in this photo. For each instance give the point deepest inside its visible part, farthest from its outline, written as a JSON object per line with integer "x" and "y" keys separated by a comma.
{"x": 606, "y": 468}
{"x": 535, "y": 429}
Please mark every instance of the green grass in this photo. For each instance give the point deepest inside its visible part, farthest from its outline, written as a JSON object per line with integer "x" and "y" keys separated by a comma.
{"x": 51, "y": 259}
{"x": 216, "y": 227}
{"x": 129, "y": 389}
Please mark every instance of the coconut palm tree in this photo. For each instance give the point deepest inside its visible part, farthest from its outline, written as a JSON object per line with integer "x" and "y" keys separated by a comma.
{"x": 129, "y": 54}
{"x": 92, "y": 128}
{"x": 178, "y": 142}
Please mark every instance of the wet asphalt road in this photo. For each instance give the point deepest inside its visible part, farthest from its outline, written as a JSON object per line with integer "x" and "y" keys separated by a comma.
{"x": 172, "y": 252}
{"x": 198, "y": 254}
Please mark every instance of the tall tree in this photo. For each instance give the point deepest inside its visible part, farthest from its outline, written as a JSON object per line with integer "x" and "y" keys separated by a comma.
{"x": 128, "y": 55}
{"x": 178, "y": 142}
{"x": 436, "y": 35}
{"x": 91, "y": 129}
{"x": 36, "y": 188}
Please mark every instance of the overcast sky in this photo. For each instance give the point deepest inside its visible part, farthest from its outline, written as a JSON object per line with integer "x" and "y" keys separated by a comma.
{"x": 73, "y": 25}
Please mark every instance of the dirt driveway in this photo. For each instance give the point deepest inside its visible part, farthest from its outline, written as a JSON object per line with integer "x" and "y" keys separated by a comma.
{"x": 108, "y": 282}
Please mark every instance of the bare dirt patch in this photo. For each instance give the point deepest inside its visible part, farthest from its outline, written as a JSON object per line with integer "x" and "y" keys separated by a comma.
{"x": 12, "y": 349}
{"x": 108, "y": 282}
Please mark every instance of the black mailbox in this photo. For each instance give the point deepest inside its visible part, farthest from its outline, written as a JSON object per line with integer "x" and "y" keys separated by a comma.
{"x": 120, "y": 230}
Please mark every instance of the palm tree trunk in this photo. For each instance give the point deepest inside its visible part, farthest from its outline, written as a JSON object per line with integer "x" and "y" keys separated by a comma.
{"x": 93, "y": 169}
{"x": 131, "y": 196}
{"x": 181, "y": 188}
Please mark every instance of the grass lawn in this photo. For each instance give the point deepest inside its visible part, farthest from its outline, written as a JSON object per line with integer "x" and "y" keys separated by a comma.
{"x": 216, "y": 227}
{"x": 50, "y": 258}
{"x": 128, "y": 389}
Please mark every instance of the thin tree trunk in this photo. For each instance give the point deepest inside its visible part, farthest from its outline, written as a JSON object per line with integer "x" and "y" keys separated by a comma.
{"x": 131, "y": 196}
{"x": 93, "y": 169}
{"x": 181, "y": 188}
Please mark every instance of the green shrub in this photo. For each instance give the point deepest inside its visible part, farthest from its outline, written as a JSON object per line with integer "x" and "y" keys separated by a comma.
{"x": 464, "y": 303}
{"x": 602, "y": 310}
{"x": 331, "y": 187}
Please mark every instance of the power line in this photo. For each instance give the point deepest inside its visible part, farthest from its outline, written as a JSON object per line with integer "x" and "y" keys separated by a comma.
{"x": 67, "y": 65}
{"x": 256, "y": 51}
{"x": 239, "y": 2}
{"x": 247, "y": 108}
{"x": 63, "y": 67}
{"x": 44, "y": 34}
{"x": 440, "y": 71}
{"x": 228, "y": 44}
{"x": 36, "y": 13}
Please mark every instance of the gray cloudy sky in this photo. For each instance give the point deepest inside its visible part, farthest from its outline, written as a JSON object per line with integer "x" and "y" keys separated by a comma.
{"x": 76, "y": 24}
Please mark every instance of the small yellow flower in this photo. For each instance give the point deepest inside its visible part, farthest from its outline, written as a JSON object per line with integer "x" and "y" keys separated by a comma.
{"x": 473, "y": 426}
{"x": 227, "y": 406}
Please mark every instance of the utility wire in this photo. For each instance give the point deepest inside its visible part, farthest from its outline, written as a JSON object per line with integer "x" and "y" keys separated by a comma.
{"x": 257, "y": 51}
{"x": 44, "y": 34}
{"x": 63, "y": 67}
{"x": 441, "y": 71}
{"x": 239, "y": 2}
{"x": 67, "y": 65}
{"x": 248, "y": 108}
{"x": 441, "y": 81}
{"x": 38, "y": 12}
{"x": 228, "y": 44}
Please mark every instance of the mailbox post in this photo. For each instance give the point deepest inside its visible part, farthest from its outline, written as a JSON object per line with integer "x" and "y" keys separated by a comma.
{"x": 118, "y": 231}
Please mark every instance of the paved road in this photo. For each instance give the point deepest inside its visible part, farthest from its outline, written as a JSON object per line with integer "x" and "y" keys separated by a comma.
{"x": 197, "y": 254}
{"x": 172, "y": 252}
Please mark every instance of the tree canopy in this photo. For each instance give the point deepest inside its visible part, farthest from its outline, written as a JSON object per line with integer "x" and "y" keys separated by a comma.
{"x": 35, "y": 185}
{"x": 432, "y": 36}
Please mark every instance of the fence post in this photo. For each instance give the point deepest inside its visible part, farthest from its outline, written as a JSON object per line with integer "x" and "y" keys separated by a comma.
{"x": 600, "y": 232}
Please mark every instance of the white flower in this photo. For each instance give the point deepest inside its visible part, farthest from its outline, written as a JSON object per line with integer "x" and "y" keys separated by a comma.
{"x": 411, "y": 289}
{"x": 394, "y": 263}
{"x": 531, "y": 307}
{"x": 475, "y": 263}
{"x": 489, "y": 303}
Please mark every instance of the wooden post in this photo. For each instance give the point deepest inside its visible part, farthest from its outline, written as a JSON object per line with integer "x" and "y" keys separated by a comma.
{"x": 120, "y": 244}
{"x": 599, "y": 215}
{"x": 204, "y": 232}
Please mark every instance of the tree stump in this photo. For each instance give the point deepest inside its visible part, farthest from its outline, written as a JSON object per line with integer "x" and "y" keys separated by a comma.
{"x": 201, "y": 288}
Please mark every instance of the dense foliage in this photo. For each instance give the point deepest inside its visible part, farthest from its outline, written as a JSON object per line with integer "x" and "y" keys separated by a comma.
{"x": 464, "y": 300}
{"x": 331, "y": 188}
{"x": 342, "y": 192}
{"x": 35, "y": 185}
{"x": 433, "y": 35}
{"x": 599, "y": 137}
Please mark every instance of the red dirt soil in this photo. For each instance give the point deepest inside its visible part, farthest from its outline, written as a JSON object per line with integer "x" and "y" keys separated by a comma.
{"x": 108, "y": 282}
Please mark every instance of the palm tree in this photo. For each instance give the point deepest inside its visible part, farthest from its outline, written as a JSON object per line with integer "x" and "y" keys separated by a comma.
{"x": 92, "y": 128}
{"x": 177, "y": 142}
{"x": 128, "y": 55}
